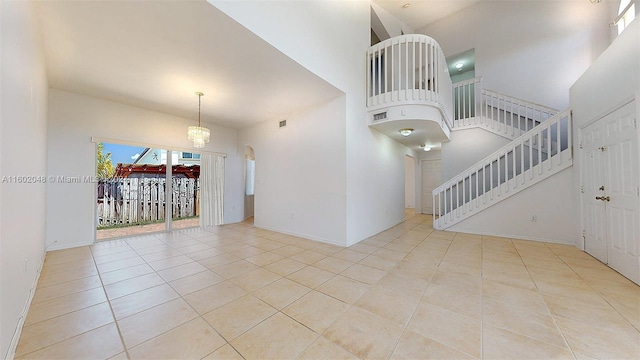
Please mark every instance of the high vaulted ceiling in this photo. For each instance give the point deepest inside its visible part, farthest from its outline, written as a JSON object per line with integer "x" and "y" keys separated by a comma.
{"x": 157, "y": 54}
{"x": 422, "y": 12}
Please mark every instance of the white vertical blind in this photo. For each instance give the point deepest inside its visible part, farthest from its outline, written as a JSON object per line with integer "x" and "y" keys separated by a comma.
{"x": 212, "y": 189}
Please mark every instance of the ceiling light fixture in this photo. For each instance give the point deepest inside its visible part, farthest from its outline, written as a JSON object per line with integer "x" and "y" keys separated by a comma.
{"x": 406, "y": 132}
{"x": 406, "y": 5}
{"x": 459, "y": 66}
{"x": 198, "y": 134}
{"x": 426, "y": 148}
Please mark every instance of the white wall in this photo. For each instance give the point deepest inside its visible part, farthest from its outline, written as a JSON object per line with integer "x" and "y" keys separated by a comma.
{"x": 409, "y": 182}
{"x": 330, "y": 38}
{"x": 391, "y": 25}
{"x": 74, "y": 119}
{"x": 550, "y": 201}
{"x": 375, "y": 181}
{"x": 533, "y": 50}
{"x": 23, "y": 149}
{"x": 466, "y": 148}
{"x": 300, "y": 173}
{"x": 611, "y": 81}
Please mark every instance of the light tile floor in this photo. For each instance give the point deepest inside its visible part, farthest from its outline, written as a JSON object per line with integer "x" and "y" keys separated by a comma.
{"x": 236, "y": 291}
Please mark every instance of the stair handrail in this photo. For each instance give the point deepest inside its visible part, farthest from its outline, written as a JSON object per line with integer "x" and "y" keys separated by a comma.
{"x": 527, "y": 103}
{"x": 505, "y": 115}
{"x": 477, "y": 79}
{"x": 496, "y": 155}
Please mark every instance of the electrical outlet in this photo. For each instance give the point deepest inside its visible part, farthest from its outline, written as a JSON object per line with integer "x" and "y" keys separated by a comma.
{"x": 534, "y": 218}
{"x": 26, "y": 265}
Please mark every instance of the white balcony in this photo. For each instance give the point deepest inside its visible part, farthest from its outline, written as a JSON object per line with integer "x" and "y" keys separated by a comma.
{"x": 408, "y": 86}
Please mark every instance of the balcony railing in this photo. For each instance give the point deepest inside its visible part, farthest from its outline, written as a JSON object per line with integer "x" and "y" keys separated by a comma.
{"x": 409, "y": 70}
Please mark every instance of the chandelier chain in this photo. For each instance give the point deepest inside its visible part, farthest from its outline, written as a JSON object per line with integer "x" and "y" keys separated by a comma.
{"x": 199, "y": 106}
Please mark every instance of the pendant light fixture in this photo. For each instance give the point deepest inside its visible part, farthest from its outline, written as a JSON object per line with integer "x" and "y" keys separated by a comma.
{"x": 198, "y": 134}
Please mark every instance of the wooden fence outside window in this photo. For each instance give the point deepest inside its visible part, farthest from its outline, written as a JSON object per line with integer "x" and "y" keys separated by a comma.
{"x": 132, "y": 201}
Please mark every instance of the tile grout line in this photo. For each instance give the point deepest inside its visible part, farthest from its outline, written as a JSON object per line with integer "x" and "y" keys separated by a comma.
{"x": 250, "y": 293}
{"x": 550, "y": 314}
{"x": 180, "y": 296}
{"x": 600, "y": 294}
{"x": 406, "y": 326}
{"x": 369, "y": 288}
{"x": 126, "y": 350}
{"x": 25, "y": 316}
{"x": 350, "y": 306}
{"x": 115, "y": 321}
{"x": 553, "y": 316}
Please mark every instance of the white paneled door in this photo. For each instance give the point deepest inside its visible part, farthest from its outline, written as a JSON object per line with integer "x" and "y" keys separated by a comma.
{"x": 611, "y": 192}
{"x": 431, "y": 179}
{"x": 593, "y": 187}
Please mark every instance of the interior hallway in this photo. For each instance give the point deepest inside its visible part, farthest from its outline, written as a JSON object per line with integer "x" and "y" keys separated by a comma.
{"x": 236, "y": 291}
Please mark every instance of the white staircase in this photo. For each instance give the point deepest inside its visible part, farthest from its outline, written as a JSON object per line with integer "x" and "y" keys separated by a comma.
{"x": 531, "y": 157}
{"x": 408, "y": 87}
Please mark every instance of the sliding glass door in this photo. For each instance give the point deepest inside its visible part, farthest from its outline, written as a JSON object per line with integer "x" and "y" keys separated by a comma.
{"x": 185, "y": 180}
{"x": 144, "y": 190}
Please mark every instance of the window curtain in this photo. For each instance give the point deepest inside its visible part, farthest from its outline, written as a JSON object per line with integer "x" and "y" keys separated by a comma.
{"x": 211, "y": 189}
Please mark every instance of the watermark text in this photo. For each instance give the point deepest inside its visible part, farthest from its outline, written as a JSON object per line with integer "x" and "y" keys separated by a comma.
{"x": 49, "y": 179}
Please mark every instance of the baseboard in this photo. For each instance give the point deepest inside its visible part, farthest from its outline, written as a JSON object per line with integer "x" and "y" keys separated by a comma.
{"x": 510, "y": 236}
{"x": 304, "y": 236}
{"x": 69, "y": 246}
{"x": 11, "y": 352}
{"x": 379, "y": 231}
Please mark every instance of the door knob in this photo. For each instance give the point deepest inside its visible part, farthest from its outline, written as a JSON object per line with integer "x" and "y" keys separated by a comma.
{"x": 603, "y": 198}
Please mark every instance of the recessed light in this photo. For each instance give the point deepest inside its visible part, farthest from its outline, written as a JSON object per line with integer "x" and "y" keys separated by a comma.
{"x": 406, "y": 5}
{"x": 405, "y": 132}
{"x": 459, "y": 65}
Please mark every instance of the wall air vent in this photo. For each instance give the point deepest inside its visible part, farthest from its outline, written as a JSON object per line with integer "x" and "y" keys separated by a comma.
{"x": 282, "y": 123}
{"x": 380, "y": 116}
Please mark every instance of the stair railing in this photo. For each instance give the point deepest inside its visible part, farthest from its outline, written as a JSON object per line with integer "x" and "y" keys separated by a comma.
{"x": 475, "y": 106}
{"x": 530, "y": 158}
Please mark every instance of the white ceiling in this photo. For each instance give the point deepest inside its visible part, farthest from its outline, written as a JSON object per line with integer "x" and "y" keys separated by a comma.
{"x": 157, "y": 54}
{"x": 422, "y": 12}
{"x": 425, "y": 133}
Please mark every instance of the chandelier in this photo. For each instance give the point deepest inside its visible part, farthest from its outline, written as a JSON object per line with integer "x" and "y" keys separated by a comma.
{"x": 198, "y": 134}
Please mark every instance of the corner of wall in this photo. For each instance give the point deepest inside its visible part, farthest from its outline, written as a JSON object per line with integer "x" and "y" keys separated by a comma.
{"x": 23, "y": 191}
